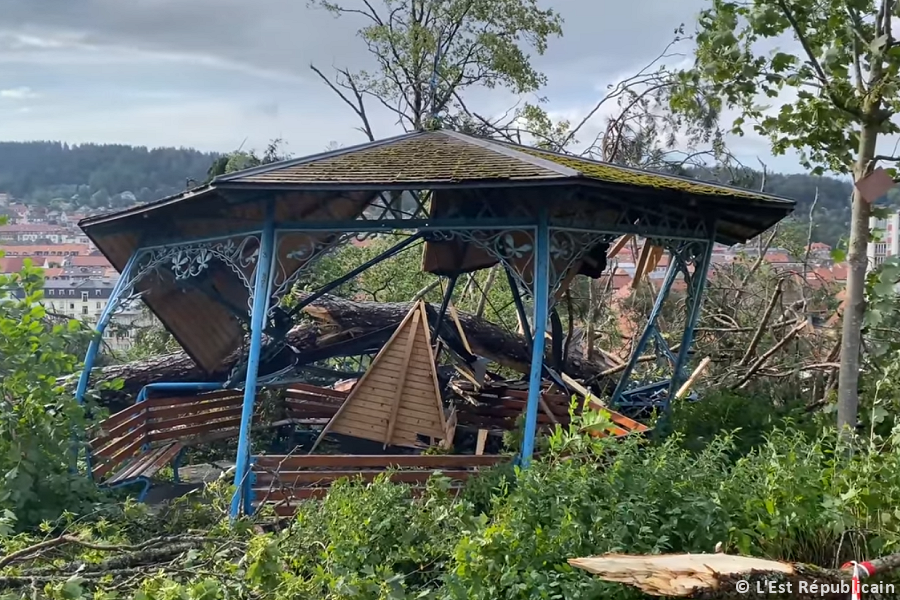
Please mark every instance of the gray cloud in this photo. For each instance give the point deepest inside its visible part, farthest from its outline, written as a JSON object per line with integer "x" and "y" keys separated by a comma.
{"x": 211, "y": 72}
{"x": 285, "y": 35}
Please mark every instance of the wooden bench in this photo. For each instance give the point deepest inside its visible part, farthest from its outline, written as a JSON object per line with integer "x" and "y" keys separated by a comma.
{"x": 281, "y": 481}
{"x": 132, "y": 445}
{"x": 311, "y": 405}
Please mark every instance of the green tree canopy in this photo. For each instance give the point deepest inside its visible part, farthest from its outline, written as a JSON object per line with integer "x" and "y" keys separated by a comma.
{"x": 837, "y": 86}
{"x": 429, "y": 52}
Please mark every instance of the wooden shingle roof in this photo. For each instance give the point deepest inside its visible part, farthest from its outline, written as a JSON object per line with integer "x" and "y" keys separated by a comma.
{"x": 447, "y": 157}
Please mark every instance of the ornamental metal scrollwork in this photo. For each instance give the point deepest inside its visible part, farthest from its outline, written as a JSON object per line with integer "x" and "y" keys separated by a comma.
{"x": 498, "y": 244}
{"x": 188, "y": 261}
{"x": 310, "y": 252}
{"x": 567, "y": 248}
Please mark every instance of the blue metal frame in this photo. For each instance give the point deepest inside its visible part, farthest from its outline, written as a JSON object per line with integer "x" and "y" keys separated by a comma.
{"x": 649, "y": 332}
{"x": 260, "y": 308}
{"x": 145, "y": 481}
{"x": 660, "y": 393}
{"x": 111, "y": 305}
{"x": 248, "y": 485}
{"x": 541, "y": 291}
{"x": 179, "y": 387}
{"x": 697, "y": 285}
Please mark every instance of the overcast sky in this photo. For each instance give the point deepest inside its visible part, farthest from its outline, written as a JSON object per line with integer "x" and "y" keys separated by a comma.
{"x": 214, "y": 73}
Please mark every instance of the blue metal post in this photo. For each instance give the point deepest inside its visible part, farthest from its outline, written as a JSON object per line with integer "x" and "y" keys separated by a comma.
{"x": 648, "y": 330}
{"x": 257, "y": 323}
{"x": 698, "y": 285}
{"x": 179, "y": 387}
{"x": 102, "y": 322}
{"x": 541, "y": 291}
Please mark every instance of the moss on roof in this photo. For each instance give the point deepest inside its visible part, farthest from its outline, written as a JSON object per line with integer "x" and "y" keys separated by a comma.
{"x": 431, "y": 157}
{"x": 626, "y": 176}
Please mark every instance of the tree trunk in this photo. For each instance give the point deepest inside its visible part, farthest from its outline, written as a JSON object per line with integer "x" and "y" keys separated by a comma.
{"x": 337, "y": 324}
{"x": 591, "y": 317}
{"x": 854, "y": 308}
{"x": 715, "y": 576}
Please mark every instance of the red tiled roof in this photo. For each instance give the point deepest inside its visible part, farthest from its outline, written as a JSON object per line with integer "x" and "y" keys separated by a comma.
{"x": 54, "y": 250}
{"x": 11, "y": 264}
{"x": 93, "y": 260}
{"x": 32, "y": 228}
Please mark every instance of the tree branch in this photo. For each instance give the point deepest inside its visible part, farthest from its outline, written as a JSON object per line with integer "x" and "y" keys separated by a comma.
{"x": 814, "y": 62}
{"x": 359, "y": 108}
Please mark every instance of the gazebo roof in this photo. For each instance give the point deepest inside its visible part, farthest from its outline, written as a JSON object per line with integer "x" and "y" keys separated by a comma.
{"x": 439, "y": 159}
{"x": 339, "y": 186}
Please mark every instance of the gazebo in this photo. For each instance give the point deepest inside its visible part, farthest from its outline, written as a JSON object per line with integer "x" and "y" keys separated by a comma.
{"x": 216, "y": 264}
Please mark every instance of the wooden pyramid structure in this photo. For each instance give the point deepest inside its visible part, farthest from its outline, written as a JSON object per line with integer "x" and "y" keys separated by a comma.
{"x": 398, "y": 397}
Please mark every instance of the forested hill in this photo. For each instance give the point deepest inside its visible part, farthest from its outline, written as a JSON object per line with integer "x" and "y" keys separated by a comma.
{"x": 97, "y": 175}
{"x": 832, "y": 210}
{"x": 116, "y": 176}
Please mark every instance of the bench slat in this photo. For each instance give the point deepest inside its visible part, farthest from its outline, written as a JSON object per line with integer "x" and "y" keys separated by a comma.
{"x": 179, "y": 400}
{"x": 124, "y": 429}
{"x": 210, "y": 417}
{"x": 193, "y": 408}
{"x": 124, "y": 448}
{"x": 293, "y": 478}
{"x": 162, "y": 460}
{"x": 133, "y": 468}
{"x": 437, "y": 461}
{"x": 147, "y": 465}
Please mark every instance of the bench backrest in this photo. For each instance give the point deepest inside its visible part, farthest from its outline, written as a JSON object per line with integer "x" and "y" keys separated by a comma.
{"x": 118, "y": 438}
{"x": 159, "y": 421}
{"x": 285, "y": 479}
{"x": 195, "y": 420}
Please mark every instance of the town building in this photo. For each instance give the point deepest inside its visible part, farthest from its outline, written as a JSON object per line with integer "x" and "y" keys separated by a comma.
{"x": 886, "y": 240}
{"x": 85, "y": 300}
{"x": 24, "y": 233}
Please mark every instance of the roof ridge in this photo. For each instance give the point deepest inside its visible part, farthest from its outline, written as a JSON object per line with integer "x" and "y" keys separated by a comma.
{"x": 292, "y": 162}
{"x": 511, "y": 152}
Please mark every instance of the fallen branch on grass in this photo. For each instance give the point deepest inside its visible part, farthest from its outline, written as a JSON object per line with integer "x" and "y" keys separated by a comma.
{"x": 715, "y": 576}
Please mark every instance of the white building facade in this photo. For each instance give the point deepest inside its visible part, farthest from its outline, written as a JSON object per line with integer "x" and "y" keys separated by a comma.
{"x": 887, "y": 242}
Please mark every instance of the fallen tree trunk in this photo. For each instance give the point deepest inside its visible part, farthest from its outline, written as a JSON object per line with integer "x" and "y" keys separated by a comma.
{"x": 717, "y": 576}
{"x": 486, "y": 339}
{"x": 335, "y": 327}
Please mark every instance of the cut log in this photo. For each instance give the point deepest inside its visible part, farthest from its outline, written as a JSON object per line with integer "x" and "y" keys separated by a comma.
{"x": 715, "y": 576}
{"x": 336, "y": 327}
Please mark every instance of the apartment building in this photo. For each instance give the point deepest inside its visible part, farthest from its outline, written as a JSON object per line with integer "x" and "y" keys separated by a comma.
{"x": 85, "y": 300}
{"x": 887, "y": 242}
{"x": 41, "y": 232}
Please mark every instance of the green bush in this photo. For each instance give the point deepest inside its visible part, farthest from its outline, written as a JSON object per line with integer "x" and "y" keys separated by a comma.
{"x": 745, "y": 414}
{"x": 795, "y": 497}
{"x": 38, "y": 418}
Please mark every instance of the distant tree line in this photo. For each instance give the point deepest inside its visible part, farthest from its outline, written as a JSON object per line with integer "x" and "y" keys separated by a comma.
{"x": 97, "y": 176}
{"x": 111, "y": 176}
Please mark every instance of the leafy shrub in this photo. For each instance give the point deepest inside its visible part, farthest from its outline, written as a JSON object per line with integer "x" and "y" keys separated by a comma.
{"x": 801, "y": 497}
{"x": 746, "y": 415}
{"x": 38, "y": 418}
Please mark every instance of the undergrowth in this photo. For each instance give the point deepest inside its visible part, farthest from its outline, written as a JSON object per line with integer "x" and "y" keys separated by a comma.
{"x": 509, "y": 535}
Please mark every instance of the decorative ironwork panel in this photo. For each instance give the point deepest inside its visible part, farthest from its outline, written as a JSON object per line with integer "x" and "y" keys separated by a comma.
{"x": 187, "y": 261}
{"x": 307, "y": 255}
